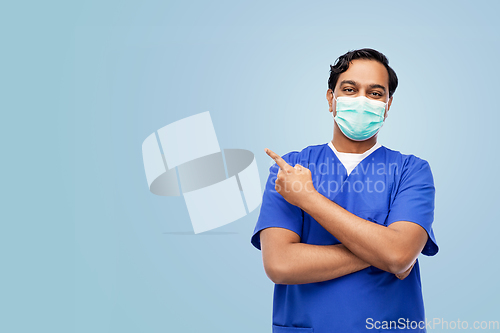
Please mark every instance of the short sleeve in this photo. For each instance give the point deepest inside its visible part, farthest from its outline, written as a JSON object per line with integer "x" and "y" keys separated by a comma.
{"x": 275, "y": 211}
{"x": 414, "y": 200}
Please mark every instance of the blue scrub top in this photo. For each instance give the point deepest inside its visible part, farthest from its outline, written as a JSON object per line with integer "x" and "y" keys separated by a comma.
{"x": 385, "y": 187}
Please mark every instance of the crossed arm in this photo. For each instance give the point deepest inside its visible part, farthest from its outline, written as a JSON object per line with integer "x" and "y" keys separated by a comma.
{"x": 287, "y": 261}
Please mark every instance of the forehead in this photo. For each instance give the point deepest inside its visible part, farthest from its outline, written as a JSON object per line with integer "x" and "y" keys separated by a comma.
{"x": 365, "y": 72}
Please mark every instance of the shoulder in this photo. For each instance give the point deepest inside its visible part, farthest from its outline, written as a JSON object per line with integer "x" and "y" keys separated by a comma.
{"x": 407, "y": 164}
{"x": 406, "y": 160}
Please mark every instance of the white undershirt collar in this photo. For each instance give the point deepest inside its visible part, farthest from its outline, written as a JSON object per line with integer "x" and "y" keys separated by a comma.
{"x": 350, "y": 160}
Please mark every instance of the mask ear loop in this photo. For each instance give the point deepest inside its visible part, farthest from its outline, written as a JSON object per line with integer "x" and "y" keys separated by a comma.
{"x": 335, "y": 106}
{"x": 332, "y": 104}
{"x": 385, "y": 110}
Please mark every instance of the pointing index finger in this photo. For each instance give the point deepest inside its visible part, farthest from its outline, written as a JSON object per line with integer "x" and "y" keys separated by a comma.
{"x": 277, "y": 158}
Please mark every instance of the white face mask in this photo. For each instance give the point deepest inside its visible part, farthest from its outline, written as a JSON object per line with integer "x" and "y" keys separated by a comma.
{"x": 359, "y": 118}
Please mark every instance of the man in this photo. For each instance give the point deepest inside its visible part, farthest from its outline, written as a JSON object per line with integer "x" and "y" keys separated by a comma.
{"x": 342, "y": 223}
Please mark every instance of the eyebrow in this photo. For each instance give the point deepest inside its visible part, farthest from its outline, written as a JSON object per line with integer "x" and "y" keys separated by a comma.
{"x": 369, "y": 86}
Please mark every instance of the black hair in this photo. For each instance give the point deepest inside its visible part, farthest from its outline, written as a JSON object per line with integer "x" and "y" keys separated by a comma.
{"x": 342, "y": 64}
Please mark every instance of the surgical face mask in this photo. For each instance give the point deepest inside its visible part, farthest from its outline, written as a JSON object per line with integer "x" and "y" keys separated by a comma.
{"x": 359, "y": 118}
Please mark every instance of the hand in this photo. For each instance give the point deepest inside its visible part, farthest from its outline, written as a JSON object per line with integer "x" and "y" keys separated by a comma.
{"x": 293, "y": 183}
{"x": 403, "y": 275}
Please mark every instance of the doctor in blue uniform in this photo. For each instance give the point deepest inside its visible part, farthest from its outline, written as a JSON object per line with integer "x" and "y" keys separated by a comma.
{"x": 342, "y": 223}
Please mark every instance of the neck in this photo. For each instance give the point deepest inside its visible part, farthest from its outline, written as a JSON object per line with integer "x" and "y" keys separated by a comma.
{"x": 345, "y": 145}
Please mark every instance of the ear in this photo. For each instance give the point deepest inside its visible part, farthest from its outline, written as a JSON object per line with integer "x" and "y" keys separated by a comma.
{"x": 389, "y": 102}
{"x": 331, "y": 101}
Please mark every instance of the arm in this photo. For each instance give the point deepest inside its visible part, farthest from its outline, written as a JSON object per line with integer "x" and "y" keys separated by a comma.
{"x": 287, "y": 261}
{"x": 392, "y": 248}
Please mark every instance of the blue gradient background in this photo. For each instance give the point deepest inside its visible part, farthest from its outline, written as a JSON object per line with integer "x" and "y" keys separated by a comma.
{"x": 87, "y": 248}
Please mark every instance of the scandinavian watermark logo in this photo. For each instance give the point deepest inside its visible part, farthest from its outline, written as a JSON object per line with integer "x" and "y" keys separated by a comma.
{"x": 184, "y": 158}
{"x": 368, "y": 176}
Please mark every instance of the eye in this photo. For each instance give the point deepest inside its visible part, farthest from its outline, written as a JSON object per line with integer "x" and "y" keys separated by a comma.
{"x": 346, "y": 89}
{"x": 377, "y": 94}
